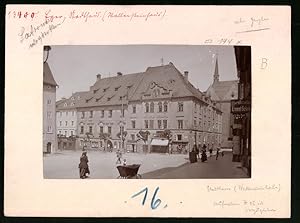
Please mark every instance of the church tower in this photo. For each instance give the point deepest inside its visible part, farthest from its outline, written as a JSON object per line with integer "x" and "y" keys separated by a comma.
{"x": 216, "y": 73}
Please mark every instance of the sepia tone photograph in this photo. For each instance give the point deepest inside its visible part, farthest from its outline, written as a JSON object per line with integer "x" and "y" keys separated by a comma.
{"x": 146, "y": 112}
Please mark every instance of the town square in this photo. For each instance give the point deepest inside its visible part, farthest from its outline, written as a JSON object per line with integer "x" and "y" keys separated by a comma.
{"x": 158, "y": 120}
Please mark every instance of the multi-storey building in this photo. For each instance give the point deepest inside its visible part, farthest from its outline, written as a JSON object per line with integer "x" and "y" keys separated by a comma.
{"x": 223, "y": 92}
{"x": 132, "y": 111}
{"x": 49, "y": 119}
{"x": 66, "y": 121}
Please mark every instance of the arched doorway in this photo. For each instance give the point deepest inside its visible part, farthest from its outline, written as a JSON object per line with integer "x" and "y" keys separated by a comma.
{"x": 49, "y": 147}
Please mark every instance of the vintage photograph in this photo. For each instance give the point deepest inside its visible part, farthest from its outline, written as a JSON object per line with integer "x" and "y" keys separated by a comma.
{"x": 146, "y": 112}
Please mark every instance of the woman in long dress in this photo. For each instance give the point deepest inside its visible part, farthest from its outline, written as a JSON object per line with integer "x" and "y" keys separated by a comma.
{"x": 83, "y": 166}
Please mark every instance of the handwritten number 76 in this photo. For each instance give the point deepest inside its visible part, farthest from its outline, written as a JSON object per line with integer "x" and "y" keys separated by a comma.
{"x": 154, "y": 202}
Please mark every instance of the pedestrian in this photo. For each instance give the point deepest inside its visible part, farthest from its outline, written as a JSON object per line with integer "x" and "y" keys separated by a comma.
{"x": 197, "y": 151}
{"x": 119, "y": 156}
{"x": 83, "y": 166}
{"x": 210, "y": 150}
{"x": 203, "y": 156}
{"x": 124, "y": 162}
{"x": 217, "y": 155}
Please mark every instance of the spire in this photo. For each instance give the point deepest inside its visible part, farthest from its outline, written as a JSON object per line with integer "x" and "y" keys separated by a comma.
{"x": 216, "y": 73}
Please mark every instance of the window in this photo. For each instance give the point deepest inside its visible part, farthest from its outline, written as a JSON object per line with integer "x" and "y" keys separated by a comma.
{"x": 146, "y": 124}
{"x": 195, "y": 123}
{"x": 49, "y": 129}
{"x": 133, "y": 124}
{"x": 66, "y": 113}
{"x": 180, "y": 106}
{"x": 165, "y": 122}
{"x": 49, "y": 101}
{"x": 151, "y": 124}
{"x": 151, "y": 107}
{"x": 132, "y": 137}
{"x": 59, "y": 132}
{"x": 101, "y": 129}
{"x": 91, "y": 129}
{"x": 180, "y": 124}
{"x": 60, "y": 113}
{"x": 147, "y": 107}
{"x": 109, "y": 130}
{"x": 71, "y": 133}
{"x": 66, "y": 123}
{"x": 91, "y": 114}
{"x": 49, "y": 114}
{"x": 81, "y": 129}
{"x": 73, "y": 113}
{"x": 165, "y": 106}
{"x": 65, "y": 104}
{"x": 159, "y": 124}
{"x": 159, "y": 107}
{"x": 102, "y": 114}
{"x": 179, "y": 137}
{"x": 66, "y": 133}
{"x": 72, "y": 123}
{"x": 110, "y": 114}
{"x": 122, "y": 112}
{"x": 134, "y": 109}
{"x": 60, "y": 122}
{"x": 82, "y": 114}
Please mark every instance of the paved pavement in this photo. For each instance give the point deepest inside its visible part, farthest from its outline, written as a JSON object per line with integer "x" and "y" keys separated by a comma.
{"x": 64, "y": 165}
{"x": 221, "y": 168}
{"x": 102, "y": 165}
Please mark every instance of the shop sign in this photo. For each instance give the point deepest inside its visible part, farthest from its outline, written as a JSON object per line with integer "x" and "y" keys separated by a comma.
{"x": 239, "y": 106}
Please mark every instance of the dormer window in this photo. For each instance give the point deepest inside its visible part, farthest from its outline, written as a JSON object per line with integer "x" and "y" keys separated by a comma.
{"x": 72, "y": 104}
{"x": 117, "y": 88}
{"x": 129, "y": 86}
{"x": 95, "y": 91}
{"x": 72, "y": 98}
{"x": 105, "y": 89}
{"x": 65, "y": 104}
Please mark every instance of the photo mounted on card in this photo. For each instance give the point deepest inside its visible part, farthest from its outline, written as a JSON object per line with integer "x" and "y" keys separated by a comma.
{"x": 148, "y": 111}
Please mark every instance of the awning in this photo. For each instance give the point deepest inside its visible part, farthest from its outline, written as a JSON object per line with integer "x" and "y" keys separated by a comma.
{"x": 159, "y": 142}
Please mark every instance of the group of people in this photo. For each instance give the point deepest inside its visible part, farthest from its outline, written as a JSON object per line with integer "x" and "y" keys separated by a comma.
{"x": 203, "y": 152}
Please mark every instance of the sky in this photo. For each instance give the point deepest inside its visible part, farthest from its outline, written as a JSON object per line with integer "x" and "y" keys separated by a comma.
{"x": 75, "y": 67}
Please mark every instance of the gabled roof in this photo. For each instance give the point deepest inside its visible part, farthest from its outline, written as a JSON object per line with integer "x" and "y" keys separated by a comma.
{"x": 221, "y": 90}
{"x": 48, "y": 76}
{"x": 132, "y": 87}
{"x": 71, "y": 102}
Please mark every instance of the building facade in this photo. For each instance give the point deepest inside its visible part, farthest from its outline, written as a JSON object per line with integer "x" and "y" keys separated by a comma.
{"x": 49, "y": 117}
{"x": 241, "y": 109}
{"x": 223, "y": 92}
{"x": 66, "y": 121}
{"x": 158, "y": 110}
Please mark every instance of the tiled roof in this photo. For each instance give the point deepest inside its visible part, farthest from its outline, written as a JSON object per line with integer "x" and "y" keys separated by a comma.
{"x": 71, "y": 102}
{"x": 48, "y": 76}
{"x": 131, "y": 87}
{"x": 223, "y": 88}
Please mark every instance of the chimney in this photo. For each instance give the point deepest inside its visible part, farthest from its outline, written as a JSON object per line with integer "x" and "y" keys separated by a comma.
{"x": 186, "y": 75}
{"x": 98, "y": 77}
{"x": 119, "y": 74}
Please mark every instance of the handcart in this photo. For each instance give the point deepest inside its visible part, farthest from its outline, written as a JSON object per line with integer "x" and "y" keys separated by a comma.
{"x": 129, "y": 171}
